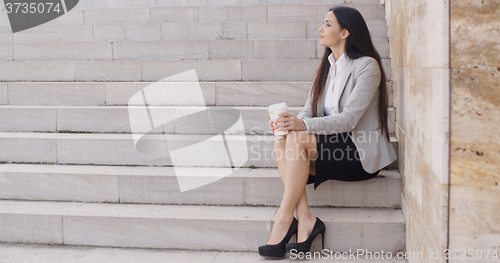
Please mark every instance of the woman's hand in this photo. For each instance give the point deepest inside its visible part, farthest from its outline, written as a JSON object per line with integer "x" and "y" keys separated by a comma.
{"x": 288, "y": 122}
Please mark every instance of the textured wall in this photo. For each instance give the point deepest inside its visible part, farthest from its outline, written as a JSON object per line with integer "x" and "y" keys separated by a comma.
{"x": 419, "y": 38}
{"x": 475, "y": 125}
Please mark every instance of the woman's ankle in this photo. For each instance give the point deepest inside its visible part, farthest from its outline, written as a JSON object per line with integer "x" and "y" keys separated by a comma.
{"x": 282, "y": 219}
{"x": 306, "y": 217}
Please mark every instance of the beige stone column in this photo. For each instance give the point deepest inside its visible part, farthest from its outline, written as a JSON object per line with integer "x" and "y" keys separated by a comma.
{"x": 475, "y": 128}
{"x": 419, "y": 38}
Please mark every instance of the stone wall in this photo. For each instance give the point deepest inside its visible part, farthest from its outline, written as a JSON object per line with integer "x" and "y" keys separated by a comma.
{"x": 419, "y": 38}
{"x": 446, "y": 77}
{"x": 475, "y": 126}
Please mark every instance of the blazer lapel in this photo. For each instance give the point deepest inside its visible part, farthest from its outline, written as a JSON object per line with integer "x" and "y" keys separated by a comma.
{"x": 347, "y": 73}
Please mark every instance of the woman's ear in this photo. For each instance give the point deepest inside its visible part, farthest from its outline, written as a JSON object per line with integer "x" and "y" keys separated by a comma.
{"x": 345, "y": 33}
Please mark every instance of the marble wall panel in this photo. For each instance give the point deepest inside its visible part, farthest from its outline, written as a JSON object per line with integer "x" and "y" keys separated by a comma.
{"x": 471, "y": 225}
{"x": 419, "y": 37}
{"x": 475, "y": 126}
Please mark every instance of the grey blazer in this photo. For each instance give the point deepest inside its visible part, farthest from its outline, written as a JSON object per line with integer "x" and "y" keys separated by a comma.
{"x": 358, "y": 114}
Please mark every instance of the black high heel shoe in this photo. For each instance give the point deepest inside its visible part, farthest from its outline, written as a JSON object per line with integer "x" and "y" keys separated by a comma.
{"x": 278, "y": 250}
{"x": 304, "y": 247}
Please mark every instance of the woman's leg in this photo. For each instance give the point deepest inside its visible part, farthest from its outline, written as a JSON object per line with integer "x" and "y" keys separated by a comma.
{"x": 302, "y": 212}
{"x": 292, "y": 156}
{"x": 305, "y": 218}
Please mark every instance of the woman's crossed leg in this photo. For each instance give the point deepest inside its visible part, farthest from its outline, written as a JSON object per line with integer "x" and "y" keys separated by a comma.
{"x": 295, "y": 157}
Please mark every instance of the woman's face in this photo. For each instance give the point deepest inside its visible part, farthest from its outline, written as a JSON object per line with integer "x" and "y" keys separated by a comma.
{"x": 330, "y": 33}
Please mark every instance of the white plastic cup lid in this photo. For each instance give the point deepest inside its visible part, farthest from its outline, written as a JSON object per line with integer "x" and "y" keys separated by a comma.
{"x": 277, "y": 106}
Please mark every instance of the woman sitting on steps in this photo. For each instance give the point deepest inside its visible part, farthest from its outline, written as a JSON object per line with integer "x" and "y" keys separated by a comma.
{"x": 340, "y": 134}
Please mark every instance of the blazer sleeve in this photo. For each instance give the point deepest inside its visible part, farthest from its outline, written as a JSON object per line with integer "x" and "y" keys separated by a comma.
{"x": 306, "y": 111}
{"x": 367, "y": 76}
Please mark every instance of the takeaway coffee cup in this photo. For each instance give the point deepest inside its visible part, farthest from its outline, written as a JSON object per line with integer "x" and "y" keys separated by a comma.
{"x": 274, "y": 110}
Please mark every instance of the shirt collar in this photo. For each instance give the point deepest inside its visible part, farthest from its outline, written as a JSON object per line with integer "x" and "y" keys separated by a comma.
{"x": 340, "y": 62}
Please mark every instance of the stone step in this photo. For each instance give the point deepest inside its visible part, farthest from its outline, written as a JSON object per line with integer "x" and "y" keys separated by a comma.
{"x": 175, "y": 50}
{"x": 222, "y": 13}
{"x": 288, "y": 70}
{"x": 10, "y": 253}
{"x": 117, "y": 119}
{"x": 226, "y": 228}
{"x": 119, "y": 93}
{"x": 220, "y": 30}
{"x": 159, "y": 185}
{"x": 99, "y": 4}
{"x": 180, "y": 150}
{"x": 257, "y": 30}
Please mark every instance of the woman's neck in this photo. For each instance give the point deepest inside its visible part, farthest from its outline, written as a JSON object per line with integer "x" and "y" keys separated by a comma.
{"x": 337, "y": 52}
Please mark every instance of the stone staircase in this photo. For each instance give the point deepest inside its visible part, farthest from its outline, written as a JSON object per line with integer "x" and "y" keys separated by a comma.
{"x": 70, "y": 173}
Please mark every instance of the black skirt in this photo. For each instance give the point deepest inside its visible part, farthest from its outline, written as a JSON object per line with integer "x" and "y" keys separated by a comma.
{"x": 337, "y": 158}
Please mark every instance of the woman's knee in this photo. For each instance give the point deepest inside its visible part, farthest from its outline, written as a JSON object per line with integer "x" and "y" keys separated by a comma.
{"x": 294, "y": 137}
{"x": 300, "y": 137}
{"x": 303, "y": 141}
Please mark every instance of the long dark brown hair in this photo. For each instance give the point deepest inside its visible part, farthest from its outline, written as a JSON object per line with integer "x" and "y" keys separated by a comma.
{"x": 358, "y": 44}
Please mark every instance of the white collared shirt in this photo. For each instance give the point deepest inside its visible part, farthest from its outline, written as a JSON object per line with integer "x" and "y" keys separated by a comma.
{"x": 333, "y": 87}
{"x": 332, "y": 84}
